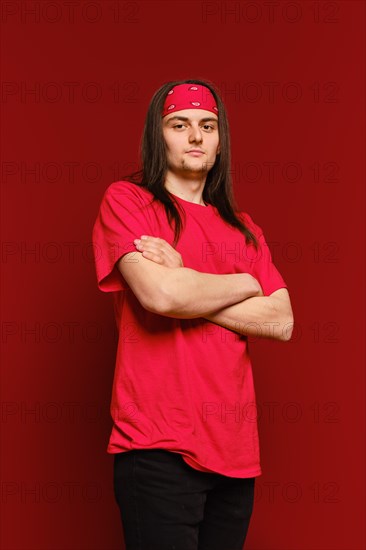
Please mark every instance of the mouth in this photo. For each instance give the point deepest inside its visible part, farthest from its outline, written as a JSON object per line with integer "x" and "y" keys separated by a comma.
{"x": 195, "y": 152}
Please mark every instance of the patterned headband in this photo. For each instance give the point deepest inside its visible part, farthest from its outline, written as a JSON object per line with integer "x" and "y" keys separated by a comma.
{"x": 189, "y": 96}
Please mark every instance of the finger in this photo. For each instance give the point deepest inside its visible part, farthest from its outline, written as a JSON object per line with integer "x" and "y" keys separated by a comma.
{"x": 157, "y": 248}
{"x": 151, "y": 247}
{"x": 160, "y": 248}
{"x": 162, "y": 243}
{"x": 151, "y": 256}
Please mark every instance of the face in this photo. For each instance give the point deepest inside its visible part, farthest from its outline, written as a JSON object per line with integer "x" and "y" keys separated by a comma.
{"x": 187, "y": 130}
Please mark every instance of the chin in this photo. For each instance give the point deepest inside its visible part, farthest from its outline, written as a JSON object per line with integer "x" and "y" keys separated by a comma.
{"x": 196, "y": 167}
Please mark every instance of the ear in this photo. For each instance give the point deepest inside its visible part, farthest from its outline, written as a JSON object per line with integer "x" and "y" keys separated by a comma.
{"x": 218, "y": 149}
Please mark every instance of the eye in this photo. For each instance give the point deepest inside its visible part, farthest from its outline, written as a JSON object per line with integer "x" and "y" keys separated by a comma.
{"x": 207, "y": 127}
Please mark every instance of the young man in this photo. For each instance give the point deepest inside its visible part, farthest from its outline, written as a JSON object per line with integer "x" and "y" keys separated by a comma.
{"x": 186, "y": 294}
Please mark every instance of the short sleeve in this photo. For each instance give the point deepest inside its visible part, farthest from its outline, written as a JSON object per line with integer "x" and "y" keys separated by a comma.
{"x": 263, "y": 268}
{"x": 122, "y": 217}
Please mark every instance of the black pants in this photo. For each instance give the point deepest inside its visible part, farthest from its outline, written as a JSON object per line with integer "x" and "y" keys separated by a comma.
{"x": 167, "y": 505}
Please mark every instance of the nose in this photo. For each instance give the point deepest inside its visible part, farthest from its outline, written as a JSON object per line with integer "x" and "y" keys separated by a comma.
{"x": 195, "y": 133}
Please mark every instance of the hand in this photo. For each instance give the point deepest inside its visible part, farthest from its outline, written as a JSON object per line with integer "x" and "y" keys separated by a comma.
{"x": 260, "y": 291}
{"x": 257, "y": 287}
{"x": 252, "y": 286}
{"x": 159, "y": 251}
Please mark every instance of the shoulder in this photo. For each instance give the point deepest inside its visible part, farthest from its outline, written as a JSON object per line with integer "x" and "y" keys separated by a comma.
{"x": 124, "y": 188}
{"x": 250, "y": 224}
{"x": 127, "y": 196}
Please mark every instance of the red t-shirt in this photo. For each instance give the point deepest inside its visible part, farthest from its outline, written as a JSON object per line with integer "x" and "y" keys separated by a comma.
{"x": 184, "y": 385}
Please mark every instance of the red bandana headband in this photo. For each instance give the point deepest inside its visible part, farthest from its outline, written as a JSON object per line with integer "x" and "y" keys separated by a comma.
{"x": 189, "y": 96}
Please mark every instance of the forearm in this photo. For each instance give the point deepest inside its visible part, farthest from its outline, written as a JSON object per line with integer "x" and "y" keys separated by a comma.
{"x": 259, "y": 316}
{"x": 195, "y": 294}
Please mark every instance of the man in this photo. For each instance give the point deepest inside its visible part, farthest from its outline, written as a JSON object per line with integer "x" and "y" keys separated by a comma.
{"x": 186, "y": 297}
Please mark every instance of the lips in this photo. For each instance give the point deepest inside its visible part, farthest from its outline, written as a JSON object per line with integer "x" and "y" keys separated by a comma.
{"x": 195, "y": 151}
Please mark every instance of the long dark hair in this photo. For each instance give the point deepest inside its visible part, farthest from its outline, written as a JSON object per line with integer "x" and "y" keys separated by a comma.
{"x": 218, "y": 190}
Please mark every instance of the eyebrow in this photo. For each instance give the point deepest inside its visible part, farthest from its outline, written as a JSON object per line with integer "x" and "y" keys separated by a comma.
{"x": 207, "y": 119}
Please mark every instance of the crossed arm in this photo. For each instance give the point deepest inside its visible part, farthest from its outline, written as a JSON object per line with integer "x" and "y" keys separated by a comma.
{"x": 260, "y": 316}
{"x": 162, "y": 285}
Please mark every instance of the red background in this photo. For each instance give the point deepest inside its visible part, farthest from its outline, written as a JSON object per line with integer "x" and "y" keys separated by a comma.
{"x": 76, "y": 86}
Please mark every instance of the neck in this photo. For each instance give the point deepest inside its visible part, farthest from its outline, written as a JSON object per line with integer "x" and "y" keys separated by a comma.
{"x": 189, "y": 189}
